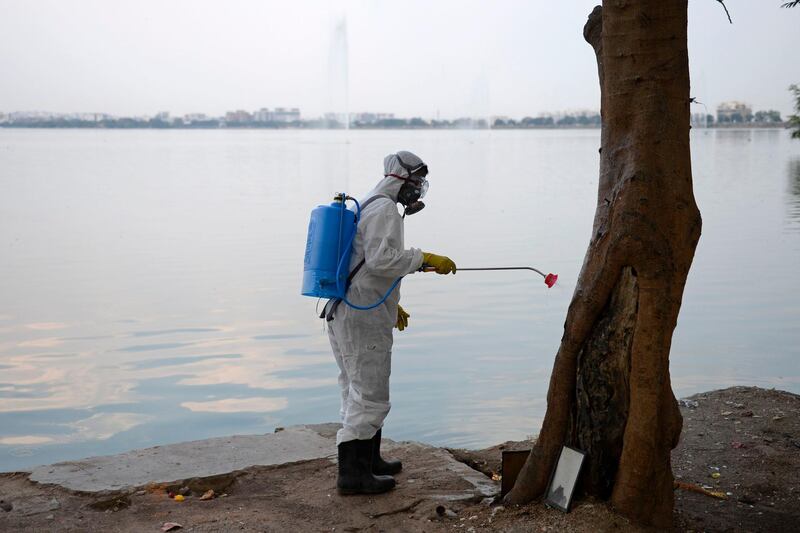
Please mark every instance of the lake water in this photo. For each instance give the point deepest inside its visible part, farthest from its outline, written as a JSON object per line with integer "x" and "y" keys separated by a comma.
{"x": 149, "y": 280}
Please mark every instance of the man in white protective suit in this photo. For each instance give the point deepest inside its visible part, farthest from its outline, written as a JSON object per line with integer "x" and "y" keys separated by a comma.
{"x": 362, "y": 339}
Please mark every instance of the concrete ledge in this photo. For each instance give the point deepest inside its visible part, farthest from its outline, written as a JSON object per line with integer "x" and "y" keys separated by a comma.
{"x": 196, "y": 459}
{"x": 216, "y": 462}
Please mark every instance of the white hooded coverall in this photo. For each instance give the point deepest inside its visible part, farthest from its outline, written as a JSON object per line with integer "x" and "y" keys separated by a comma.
{"x": 362, "y": 340}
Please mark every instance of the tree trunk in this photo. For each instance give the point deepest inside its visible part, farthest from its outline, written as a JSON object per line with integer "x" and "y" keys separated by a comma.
{"x": 610, "y": 393}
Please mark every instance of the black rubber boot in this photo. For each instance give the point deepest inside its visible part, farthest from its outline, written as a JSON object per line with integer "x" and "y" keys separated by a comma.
{"x": 380, "y": 466}
{"x": 355, "y": 470}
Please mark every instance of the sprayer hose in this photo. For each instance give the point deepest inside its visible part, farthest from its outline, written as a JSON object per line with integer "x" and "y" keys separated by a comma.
{"x": 503, "y": 268}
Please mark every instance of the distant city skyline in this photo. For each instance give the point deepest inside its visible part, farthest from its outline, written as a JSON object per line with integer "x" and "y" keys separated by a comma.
{"x": 728, "y": 114}
{"x": 264, "y": 114}
{"x": 723, "y": 112}
{"x": 447, "y": 60}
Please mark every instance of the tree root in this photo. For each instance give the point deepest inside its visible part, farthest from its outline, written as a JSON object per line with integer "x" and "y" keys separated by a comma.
{"x": 691, "y": 487}
{"x": 399, "y": 510}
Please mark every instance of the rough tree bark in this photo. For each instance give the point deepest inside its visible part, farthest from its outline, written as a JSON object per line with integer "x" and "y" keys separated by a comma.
{"x": 610, "y": 391}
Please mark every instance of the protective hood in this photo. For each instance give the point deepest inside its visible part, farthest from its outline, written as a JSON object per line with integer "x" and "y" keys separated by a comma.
{"x": 392, "y": 165}
{"x": 392, "y": 171}
{"x": 388, "y": 186}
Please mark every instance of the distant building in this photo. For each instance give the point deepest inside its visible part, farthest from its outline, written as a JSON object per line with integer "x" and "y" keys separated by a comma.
{"x": 471, "y": 123}
{"x": 370, "y": 118}
{"x": 364, "y": 118}
{"x": 335, "y": 118}
{"x": 22, "y": 116}
{"x": 734, "y": 111}
{"x": 701, "y": 120}
{"x": 238, "y": 116}
{"x": 263, "y": 115}
{"x": 194, "y": 117}
{"x": 163, "y": 116}
{"x": 87, "y": 117}
{"x": 279, "y": 114}
{"x": 286, "y": 114}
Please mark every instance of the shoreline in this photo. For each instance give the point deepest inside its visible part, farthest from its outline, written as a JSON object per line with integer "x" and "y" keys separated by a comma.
{"x": 93, "y": 126}
{"x": 749, "y": 437}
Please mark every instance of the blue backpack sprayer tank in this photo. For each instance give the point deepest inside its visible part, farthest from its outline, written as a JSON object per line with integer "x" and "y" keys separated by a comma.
{"x": 329, "y": 246}
{"x": 330, "y": 234}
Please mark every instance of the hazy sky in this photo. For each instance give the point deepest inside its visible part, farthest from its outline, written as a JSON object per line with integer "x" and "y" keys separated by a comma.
{"x": 410, "y": 57}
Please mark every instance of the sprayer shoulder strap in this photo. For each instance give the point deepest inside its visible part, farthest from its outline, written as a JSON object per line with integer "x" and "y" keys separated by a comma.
{"x": 330, "y": 308}
{"x": 333, "y": 304}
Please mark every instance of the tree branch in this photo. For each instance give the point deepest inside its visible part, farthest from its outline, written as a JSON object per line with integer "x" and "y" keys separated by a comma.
{"x": 726, "y": 10}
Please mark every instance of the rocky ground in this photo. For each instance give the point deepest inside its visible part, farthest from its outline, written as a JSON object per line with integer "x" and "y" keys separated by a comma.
{"x": 750, "y": 437}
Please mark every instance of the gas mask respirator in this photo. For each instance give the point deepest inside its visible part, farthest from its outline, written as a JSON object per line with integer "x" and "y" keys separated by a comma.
{"x": 414, "y": 188}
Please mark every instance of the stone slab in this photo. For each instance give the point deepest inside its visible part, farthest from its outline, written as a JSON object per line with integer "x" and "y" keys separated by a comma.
{"x": 196, "y": 459}
{"x": 176, "y": 463}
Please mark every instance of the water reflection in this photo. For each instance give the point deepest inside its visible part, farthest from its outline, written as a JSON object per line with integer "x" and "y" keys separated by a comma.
{"x": 190, "y": 318}
{"x": 277, "y": 337}
{"x": 176, "y": 361}
{"x": 25, "y": 439}
{"x": 155, "y": 347}
{"x": 793, "y": 198}
{"x": 48, "y": 402}
{"x": 103, "y": 426}
{"x": 238, "y": 405}
{"x": 96, "y": 427}
{"x": 735, "y": 136}
{"x": 172, "y": 331}
{"x": 46, "y": 325}
{"x": 12, "y": 390}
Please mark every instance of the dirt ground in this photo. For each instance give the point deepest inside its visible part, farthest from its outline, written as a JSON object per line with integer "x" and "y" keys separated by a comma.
{"x": 749, "y": 436}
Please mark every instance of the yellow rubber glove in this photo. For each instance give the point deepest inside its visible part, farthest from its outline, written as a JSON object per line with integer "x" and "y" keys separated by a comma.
{"x": 442, "y": 264}
{"x": 402, "y": 318}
